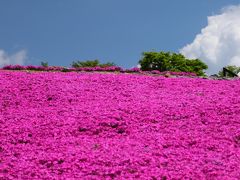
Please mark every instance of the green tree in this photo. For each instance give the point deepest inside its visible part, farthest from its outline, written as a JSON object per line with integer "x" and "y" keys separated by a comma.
{"x": 234, "y": 69}
{"x": 108, "y": 64}
{"x": 44, "y": 64}
{"x": 87, "y": 63}
{"x": 91, "y": 63}
{"x": 166, "y": 61}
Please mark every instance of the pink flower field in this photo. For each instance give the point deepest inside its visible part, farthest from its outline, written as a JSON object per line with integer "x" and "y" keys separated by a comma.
{"x": 56, "y": 125}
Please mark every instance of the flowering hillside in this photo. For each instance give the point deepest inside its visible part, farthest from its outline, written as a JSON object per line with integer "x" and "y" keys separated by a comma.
{"x": 56, "y": 125}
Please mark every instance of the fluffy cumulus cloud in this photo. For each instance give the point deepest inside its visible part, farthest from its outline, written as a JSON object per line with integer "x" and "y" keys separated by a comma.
{"x": 16, "y": 58}
{"x": 218, "y": 44}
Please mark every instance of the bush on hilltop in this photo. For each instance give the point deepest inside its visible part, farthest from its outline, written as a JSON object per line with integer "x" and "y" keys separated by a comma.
{"x": 91, "y": 63}
{"x": 166, "y": 61}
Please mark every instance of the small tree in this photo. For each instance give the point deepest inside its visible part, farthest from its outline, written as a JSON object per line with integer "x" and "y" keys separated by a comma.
{"x": 91, "y": 63}
{"x": 234, "y": 69}
{"x": 87, "y": 63}
{"x": 44, "y": 64}
{"x": 108, "y": 64}
{"x": 166, "y": 61}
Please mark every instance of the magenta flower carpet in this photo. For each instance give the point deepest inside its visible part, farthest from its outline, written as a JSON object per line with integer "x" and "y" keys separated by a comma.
{"x": 56, "y": 125}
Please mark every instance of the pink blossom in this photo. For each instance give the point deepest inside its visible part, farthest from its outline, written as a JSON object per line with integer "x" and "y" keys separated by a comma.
{"x": 73, "y": 125}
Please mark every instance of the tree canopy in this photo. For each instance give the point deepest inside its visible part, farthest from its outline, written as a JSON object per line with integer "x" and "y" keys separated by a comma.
{"x": 91, "y": 63}
{"x": 234, "y": 69}
{"x": 166, "y": 61}
{"x": 44, "y": 64}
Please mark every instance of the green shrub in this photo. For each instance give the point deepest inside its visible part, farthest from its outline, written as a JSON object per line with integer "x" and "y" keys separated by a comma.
{"x": 91, "y": 63}
{"x": 234, "y": 69}
{"x": 44, "y": 64}
{"x": 166, "y": 61}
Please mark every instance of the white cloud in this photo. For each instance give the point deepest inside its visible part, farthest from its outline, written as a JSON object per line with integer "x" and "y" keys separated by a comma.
{"x": 218, "y": 44}
{"x": 16, "y": 58}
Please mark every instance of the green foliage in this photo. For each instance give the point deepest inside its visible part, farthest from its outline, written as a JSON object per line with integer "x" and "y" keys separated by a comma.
{"x": 91, "y": 63}
{"x": 88, "y": 63}
{"x": 234, "y": 69}
{"x": 65, "y": 70}
{"x": 108, "y": 64}
{"x": 44, "y": 64}
{"x": 166, "y": 61}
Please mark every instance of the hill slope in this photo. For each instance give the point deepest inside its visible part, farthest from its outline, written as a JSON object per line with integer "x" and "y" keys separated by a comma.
{"x": 98, "y": 126}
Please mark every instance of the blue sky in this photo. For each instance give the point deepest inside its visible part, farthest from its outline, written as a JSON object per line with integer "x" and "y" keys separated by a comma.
{"x": 61, "y": 31}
